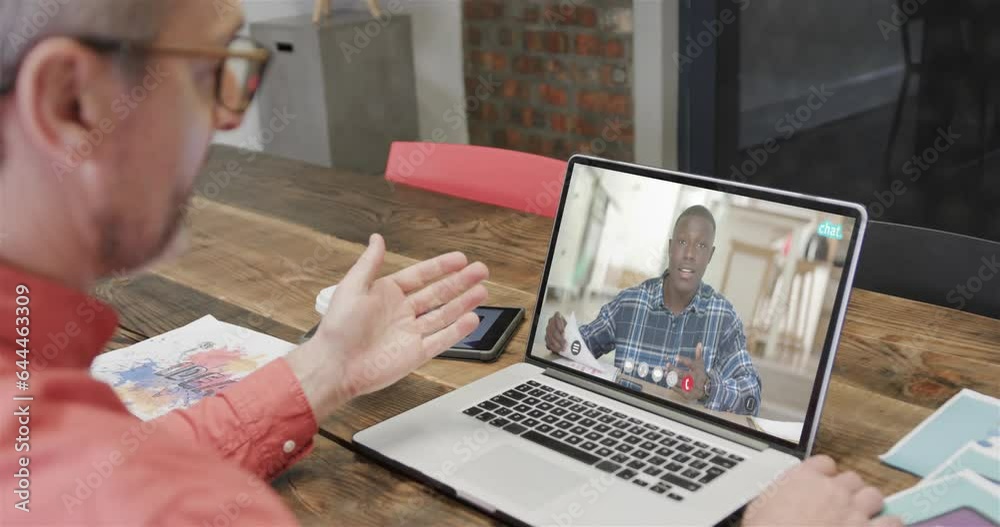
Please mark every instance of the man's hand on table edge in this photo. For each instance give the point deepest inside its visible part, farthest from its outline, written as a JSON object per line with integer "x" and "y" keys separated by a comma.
{"x": 815, "y": 494}
{"x": 376, "y": 331}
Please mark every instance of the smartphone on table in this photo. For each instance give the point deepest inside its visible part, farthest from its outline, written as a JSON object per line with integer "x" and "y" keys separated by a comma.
{"x": 487, "y": 341}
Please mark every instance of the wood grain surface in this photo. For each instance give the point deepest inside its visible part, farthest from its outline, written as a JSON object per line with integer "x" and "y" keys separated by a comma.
{"x": 334, "y": 486}
{"x": 268, "y": 233}
{"x": 416, "y": 223}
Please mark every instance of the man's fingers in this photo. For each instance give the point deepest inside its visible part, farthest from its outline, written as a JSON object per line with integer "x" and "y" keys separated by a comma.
{"x": 416, "y": 276}
{"x": 698, "y": 351}
{"x": 886, "y": 521}
{"x": 364, "y": 271}
{"x": 822, "y": 463}
{"x": 686, "y": 362}
{"x": 869, "y": 501}
{"x": 555, "y": 342}
{"x": 447, "y": 314}
{"x": 435, "y": 343}
{"x": 443, "y": 291}
{"x": 850, "y": 481}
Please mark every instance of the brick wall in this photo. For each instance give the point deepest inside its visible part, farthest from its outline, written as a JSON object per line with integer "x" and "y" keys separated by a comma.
{"x": 550, "y": 77}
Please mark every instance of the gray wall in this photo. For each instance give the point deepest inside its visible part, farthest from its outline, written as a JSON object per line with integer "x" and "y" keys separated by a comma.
{"x": 789, "y": 46}
{"x": 655, "y": 82}
{"x": 437, "y": 45}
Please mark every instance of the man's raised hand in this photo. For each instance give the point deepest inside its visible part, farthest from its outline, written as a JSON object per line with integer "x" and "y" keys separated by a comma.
{"x": 376, "y": 331}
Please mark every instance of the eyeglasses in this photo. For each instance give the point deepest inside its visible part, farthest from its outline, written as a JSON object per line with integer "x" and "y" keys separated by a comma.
{"x": 238, "y": 77}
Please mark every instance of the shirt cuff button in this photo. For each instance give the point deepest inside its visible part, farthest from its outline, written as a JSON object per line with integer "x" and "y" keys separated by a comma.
{"x": 289, "y": 446}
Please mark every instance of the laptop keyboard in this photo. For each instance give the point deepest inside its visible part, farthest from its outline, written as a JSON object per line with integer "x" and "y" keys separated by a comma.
{"x": 649, "y": 456}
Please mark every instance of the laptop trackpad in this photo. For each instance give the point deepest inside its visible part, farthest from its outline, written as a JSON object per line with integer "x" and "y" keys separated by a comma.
{"x": 521, "y": 476}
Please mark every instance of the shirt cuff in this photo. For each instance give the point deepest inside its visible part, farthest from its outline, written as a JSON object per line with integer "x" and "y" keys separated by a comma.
{"x": 270, "y": 403}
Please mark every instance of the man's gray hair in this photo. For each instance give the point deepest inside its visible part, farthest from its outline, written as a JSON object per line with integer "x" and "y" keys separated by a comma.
{"x": 23, "y": 23}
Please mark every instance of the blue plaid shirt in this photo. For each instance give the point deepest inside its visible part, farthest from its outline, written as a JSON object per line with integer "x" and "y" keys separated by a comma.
{"x": 638, "y": 327}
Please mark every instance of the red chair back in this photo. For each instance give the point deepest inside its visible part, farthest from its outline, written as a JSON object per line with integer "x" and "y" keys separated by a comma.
{"x": 515, "y": 180}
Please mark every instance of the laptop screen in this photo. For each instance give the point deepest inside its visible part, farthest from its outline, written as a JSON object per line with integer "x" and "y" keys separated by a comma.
{"x": 715, "y": 301}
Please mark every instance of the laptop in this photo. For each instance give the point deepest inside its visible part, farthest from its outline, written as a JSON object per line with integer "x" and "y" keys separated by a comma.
{"x": 678, "y": 358}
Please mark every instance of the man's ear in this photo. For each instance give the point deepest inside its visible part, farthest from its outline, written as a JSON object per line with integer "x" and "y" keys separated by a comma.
{"x": 54, "y": 96}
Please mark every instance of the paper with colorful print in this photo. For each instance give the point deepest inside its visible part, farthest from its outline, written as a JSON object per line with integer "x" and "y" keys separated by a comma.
{"x": 180, "y": 367}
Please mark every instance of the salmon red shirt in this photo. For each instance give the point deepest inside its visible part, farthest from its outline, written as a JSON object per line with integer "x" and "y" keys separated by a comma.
{"x": 71, "y": 454}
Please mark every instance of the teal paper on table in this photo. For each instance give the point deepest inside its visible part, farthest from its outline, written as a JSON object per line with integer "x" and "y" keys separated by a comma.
{"x": 968, "y": 416}
{"x": 981, "y": 457}
{"x": 965, "y": 490}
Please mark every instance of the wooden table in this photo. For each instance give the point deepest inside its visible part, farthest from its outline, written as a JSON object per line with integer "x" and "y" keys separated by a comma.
{"x": 269, "y": 233}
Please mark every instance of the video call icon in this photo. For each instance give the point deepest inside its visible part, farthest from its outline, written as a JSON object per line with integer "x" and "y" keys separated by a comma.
{"x": 643, "y": 370}
{"x": 671, "y": 379}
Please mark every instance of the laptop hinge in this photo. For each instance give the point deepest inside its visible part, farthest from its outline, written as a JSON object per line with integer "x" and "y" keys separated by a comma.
{"x": 658, "y": 410}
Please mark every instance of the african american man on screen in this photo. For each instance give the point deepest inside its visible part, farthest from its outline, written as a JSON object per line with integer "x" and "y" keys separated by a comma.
{"x": 675, "y": 330}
